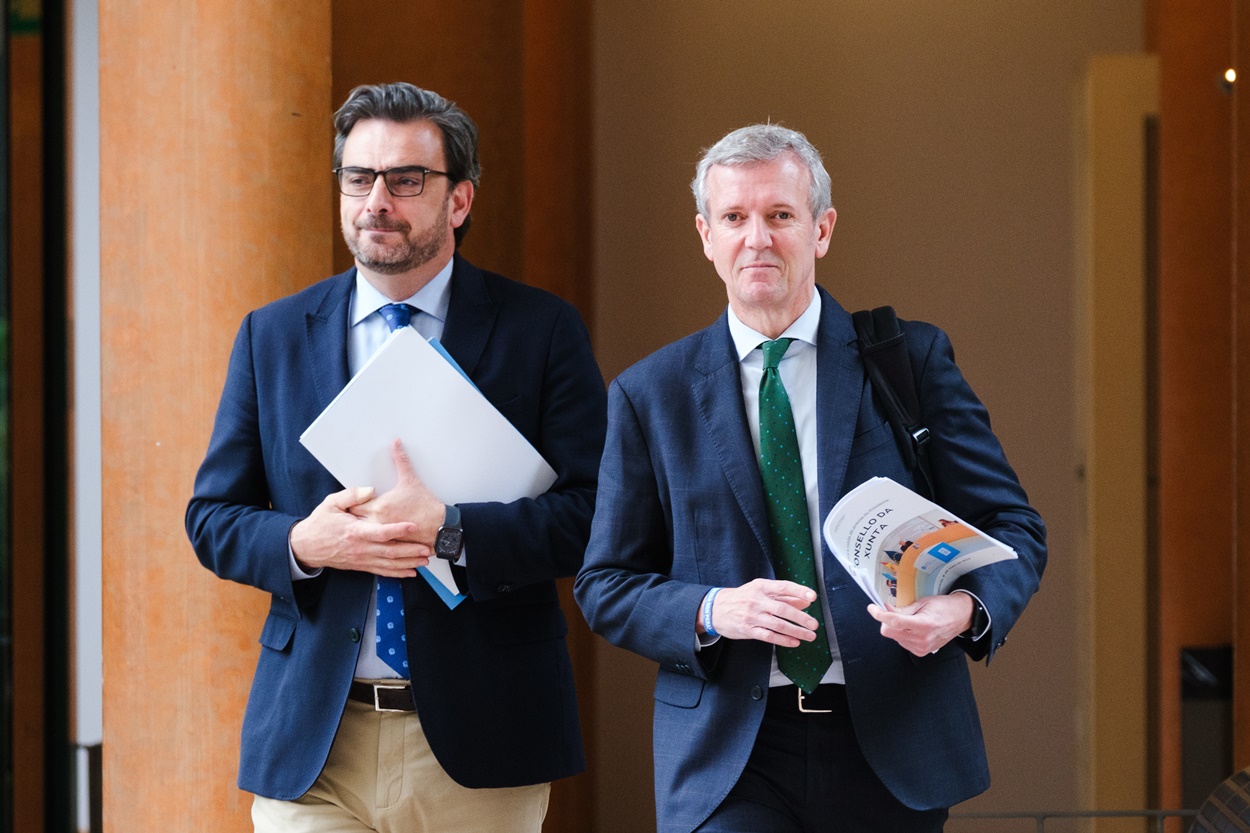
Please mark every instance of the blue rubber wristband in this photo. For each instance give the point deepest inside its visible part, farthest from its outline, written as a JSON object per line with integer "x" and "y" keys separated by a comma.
{"x": 707, "y": 611}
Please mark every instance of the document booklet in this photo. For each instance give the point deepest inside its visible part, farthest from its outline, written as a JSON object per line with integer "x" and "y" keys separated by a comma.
{"x": 900, "y": 547}
{"x": 461, "y": 447}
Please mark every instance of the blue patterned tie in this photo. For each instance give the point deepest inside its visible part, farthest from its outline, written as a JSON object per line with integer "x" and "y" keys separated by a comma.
{"x": 392, "y": 641}
{"x": 790, "y": 531}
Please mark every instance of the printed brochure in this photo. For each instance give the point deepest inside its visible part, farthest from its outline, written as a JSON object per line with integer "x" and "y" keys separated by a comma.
{"x": 900, "y": 547}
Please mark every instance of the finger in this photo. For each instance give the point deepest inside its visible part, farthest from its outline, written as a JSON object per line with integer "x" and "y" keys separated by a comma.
{"x": 403, "y": 463}
{"x": 348, "y": 498}
{"x": 885, "y": 616}
{"x": 781, "y": 589}
{"x": 787, "y": 613}
{"x": 400, "y": 561}
{"x": 781, "y": 634}
{"x": 392, "y": 571}
{"x": 381, "y": 533}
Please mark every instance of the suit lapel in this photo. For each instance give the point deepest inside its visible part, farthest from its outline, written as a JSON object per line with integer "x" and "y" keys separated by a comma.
{"x": 326, "y": 331}
{"x": 839, "y": 387}
{"x": 471, "y": 314}
{"x": 718, "y": 396}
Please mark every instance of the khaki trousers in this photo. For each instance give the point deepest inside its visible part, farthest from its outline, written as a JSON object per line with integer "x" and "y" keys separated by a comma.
{"x": 381, "y": 776}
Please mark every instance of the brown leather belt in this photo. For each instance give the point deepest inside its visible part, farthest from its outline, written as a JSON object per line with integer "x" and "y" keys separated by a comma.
{"x": 829, "y": 698}
{"x": 383, "y": 696}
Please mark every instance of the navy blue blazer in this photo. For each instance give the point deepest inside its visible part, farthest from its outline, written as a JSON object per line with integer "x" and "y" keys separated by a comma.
{"x": 492, "y": 679}
{"x": 681, "y": 510}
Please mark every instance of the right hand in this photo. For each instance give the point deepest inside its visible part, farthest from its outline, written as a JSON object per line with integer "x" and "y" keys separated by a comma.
{"x": 333, "y": 537}
{"x": 765, "y": 609}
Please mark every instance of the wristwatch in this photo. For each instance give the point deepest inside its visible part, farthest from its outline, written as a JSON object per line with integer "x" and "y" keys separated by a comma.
{"x": 980, "y": 619}
{"x": 450, "y": 535}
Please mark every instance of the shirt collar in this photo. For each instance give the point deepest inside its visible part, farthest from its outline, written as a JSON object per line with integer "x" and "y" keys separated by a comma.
{"x": 802, "y": 329}
{"x": 432, "y": 298}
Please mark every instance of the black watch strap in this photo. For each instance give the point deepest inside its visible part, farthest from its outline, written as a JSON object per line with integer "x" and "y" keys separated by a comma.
{"x": 980, "y": 619}
{"x": 450, "y": 536}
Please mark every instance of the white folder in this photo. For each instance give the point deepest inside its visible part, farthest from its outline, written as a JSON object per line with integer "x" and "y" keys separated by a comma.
{"x": 463, "y": 449}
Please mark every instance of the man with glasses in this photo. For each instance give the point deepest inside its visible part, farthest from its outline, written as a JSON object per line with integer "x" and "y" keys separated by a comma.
{"x": 459, "y": 718}
{"x": 785, "y": 703}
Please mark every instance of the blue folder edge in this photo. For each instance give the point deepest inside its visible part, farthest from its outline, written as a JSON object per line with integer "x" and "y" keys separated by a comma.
{"x": 449, "y": 598}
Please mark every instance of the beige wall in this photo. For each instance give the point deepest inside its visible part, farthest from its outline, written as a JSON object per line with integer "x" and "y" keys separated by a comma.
{"x": 949, "y": 133}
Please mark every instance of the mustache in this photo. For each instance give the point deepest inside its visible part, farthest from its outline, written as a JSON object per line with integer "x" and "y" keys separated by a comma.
{"x": 381, "y": 224}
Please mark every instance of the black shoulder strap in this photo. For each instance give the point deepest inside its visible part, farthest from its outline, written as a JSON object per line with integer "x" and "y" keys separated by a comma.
{"x": 884, "y": 349}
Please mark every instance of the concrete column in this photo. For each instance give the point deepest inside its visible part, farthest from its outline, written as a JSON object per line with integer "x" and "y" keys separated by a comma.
{"x": 215, "y": 192}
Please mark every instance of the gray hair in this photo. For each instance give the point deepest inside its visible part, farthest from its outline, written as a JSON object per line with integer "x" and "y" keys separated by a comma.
{"x": 763, "y": 143}
{"x": 403, "y": 103}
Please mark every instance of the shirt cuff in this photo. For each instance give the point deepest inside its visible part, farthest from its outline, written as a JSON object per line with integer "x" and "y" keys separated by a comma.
{"x": 297, "y": 572}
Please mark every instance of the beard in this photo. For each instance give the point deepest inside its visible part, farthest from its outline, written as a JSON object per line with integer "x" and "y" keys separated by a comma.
{"x": 409, "y": 252}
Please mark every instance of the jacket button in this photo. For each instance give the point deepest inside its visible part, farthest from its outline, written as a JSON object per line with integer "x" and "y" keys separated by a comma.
{"x": 353, "y": 635}
{"x": 757, "y": 693}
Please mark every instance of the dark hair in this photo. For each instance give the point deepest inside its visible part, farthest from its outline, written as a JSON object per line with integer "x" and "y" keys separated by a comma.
{"x": 404, "y": 103}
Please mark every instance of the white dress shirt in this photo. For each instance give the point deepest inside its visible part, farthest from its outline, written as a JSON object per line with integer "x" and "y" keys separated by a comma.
{"x": 798, "y": 374}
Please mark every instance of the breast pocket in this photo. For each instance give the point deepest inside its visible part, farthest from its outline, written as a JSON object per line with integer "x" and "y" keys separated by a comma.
{"x": 866, "y": 442}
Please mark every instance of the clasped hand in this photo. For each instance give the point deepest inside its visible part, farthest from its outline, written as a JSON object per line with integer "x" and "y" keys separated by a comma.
{"x": 390, "y": 534}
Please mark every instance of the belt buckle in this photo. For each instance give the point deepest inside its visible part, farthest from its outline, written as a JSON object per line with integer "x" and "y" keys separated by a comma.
{"x": 805, "y": 710}
{"x": 377, "y": 704}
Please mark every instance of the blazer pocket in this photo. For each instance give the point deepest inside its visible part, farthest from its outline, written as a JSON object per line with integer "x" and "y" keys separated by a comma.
{"x": 531, "y": 623}
{"x": 872, "y": 439}
{"x": 277, "y": 632}
{"x": 511, "y": 405}
{"x": 680, "y": 690}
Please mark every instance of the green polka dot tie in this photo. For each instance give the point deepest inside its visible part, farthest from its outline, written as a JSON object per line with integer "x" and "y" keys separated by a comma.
{"x": 790, "y": 532}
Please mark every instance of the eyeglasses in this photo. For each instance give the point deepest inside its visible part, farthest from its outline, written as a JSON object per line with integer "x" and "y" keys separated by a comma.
{"x": 401, "y": 182}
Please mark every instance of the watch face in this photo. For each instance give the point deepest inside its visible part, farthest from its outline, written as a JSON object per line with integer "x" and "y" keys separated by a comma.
{"x": 447, "y": 543}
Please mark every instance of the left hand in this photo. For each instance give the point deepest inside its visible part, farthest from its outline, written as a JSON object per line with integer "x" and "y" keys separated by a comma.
{"x": 925, "y": 626}
{"x": 410, "y": 500}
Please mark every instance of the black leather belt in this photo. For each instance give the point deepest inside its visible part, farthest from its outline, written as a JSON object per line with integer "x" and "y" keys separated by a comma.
{"x": 826, "y": 699}
{"x": 383, "y": 696}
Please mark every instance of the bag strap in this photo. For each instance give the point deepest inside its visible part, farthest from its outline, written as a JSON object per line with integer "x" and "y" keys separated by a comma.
{"x": 883, "y": 346}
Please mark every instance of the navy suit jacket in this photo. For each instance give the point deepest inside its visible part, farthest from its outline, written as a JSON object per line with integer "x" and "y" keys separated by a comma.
{"x": 492, "y": 680}
{"x": 681, "y": 510}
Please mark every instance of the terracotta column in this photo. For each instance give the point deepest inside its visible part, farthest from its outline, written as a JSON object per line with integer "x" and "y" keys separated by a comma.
{"x": 215, "y": 147}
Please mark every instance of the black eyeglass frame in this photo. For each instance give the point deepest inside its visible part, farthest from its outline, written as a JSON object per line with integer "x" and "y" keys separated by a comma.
{"x": 408, "y": 169}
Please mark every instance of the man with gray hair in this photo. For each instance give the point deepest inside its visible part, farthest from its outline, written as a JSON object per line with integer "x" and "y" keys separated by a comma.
{"x": 376, "y": 705}
{"x": 784, "y": 701}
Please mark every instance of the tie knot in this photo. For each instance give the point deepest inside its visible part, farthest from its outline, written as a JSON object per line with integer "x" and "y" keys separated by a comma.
{"x": 773, "y": 351}
{"x": 397, "y": 315}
